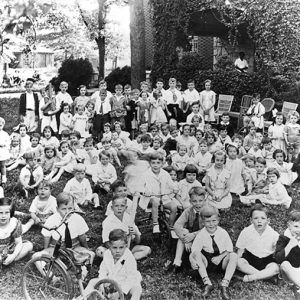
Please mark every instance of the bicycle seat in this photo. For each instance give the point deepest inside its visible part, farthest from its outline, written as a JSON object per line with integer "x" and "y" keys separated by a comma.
{"x": 78, "y": 258}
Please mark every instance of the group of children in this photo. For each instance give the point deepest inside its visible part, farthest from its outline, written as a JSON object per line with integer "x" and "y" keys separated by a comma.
{"x": 191, "y": 169}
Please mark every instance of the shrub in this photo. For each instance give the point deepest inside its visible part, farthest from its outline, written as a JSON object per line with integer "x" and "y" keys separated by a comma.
{"x": 118, "y": 76}
{"x": 75, "y": 72}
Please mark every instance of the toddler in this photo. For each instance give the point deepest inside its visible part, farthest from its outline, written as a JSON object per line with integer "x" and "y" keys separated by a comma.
{"x": 181, "y": 158}
{"x": 238, "y": 141}
{"x": 80, "y": 189}
{"x": 292, "y": 131}
{"x": 203, "y": 158}
{"x": 212, "y": 143}
{"x": 267, "y": 151}
{"x": 80, "y": 122}
{"x": 255, "y": 149}
{"x": 49, "y": 159}
{"x": 65, "y": 119}
{"x": 186, "y": 139}
{"x": 14, "y": 152}
{"x": 36, "y": 147}
{"x": 107, "y": 131}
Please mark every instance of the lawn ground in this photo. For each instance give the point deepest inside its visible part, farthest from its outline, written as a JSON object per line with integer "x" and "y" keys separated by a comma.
{"x": 157, "y": 284}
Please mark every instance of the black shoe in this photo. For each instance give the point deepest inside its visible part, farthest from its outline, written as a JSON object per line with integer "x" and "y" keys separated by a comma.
{"x": 224, "y": 292}
{"x": 195, "y": 276}
{"x": 177, "y": 269}
{"x": 207, "y": 290}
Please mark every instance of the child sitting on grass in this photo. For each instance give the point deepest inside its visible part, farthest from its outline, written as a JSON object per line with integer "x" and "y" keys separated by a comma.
{"x": 277, "y": 194}
{"x": 212, "y": 250}
{"x": 287, "y": 252}
{"x": 155, "y": 184}
{"x": 73, "y": 234}
{"x": 12, "y": 248}
{"x": 256, "y": 245}
{"x": 120, "y": 265}
{"x": 42, "y": 206}
{"x": 187, "y": 226}
{"x": 80, "y": 189}
{"x": 122, "y": 220}
{"x": 249, "y": 138}
{"x": 105, "y": 173}
{"x": 30, "y": 176}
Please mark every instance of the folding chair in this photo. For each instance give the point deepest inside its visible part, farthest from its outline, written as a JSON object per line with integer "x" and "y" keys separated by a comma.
{"x": 287, "y": 107}
{"x": 224, "y": 105}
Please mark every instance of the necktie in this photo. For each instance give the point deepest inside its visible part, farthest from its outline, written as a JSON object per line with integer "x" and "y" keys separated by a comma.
{"x": 31, "y": 179}
{"x": 68, "y": 240}
{"x": 214, "y": 245}
{"x": 101, "y": 108}
{"x": 196, "y": 223}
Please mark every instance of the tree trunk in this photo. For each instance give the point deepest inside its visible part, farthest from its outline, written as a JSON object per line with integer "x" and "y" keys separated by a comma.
{"x": 101, "y": 39}
{"x": 137, "y": 42}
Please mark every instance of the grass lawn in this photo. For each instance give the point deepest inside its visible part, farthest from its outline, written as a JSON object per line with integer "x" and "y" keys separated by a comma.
{"x": 157, "y": 284}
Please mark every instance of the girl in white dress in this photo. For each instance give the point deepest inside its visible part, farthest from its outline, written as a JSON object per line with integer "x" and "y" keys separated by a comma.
{"x": 276, "y": 133}
{"x": 4, "y": 150}
{"x": 207, "y": 102}
{"x": 236, "y": 167}
{"x": 157, "y": 108}
{"x": 217, "y": 182}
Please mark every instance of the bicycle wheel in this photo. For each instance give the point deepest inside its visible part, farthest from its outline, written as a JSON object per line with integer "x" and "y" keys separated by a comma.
{"x": 53, "y": 282}
{"x": 107, "y": 289}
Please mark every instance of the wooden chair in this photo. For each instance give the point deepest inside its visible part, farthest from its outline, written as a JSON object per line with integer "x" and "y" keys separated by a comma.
{"x": 224, "y": 105}
{"x": 268, "y": 103}
{"x": 287, "y": 107}
{"x": 245, "y": 104}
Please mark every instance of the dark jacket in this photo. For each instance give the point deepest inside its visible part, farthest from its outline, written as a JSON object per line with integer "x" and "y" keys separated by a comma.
{"x": 22, "y": 108}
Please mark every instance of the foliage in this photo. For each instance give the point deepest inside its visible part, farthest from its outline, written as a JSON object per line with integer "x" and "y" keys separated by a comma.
{"x": 121, "y": 76}
{"x": 75, "y": 72}
{"x": 272, "y": 25}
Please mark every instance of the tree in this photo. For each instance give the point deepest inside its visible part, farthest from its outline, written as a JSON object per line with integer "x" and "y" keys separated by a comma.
{"x": 137, "y": 42}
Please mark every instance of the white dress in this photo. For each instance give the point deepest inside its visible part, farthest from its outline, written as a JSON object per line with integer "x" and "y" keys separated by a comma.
{"x": 277, "y": 133}
{"x": 287, "y": 177}
{"x": 157, "y": 114}
{"x": 235, "y": 166}
{"x": 207, "y": 98}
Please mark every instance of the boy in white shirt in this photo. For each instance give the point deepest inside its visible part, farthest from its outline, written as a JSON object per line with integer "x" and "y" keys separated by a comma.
{"x": 119, "y": 265}
{"x": 256, "y": 246}
{"x": 195, "y": 112}
{"x": 191, "y": 95}
{"x": 80, "y": 188}
{"x": 212, "y": 249}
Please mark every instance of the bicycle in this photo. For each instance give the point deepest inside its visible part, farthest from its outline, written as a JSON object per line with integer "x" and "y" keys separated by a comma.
{"x": 60, "y": 275}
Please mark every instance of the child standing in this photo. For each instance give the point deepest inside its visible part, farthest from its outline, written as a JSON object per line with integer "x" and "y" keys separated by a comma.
{"x": 80, "y": 189}
{"x": 106, "y": 173}
{"x": 80, "y": 122}
{"x": 190, "y": 95}
{"x": 256, "y": 245}
{"x": 287, "y": 252}
{"x": 82, "y": 99}
{"x": 65, "y": 118}
{"x": 118, "y": 106}
{"x": 235, "y": 166}
{"x": 31, "y": 175}
{"x": 189, "y": 181}
{"x": 217, "y": 182}
{"x": 4, "y": 150}
{"x": 158, "y": 106}
{"x": 276, "y": 133}
{"x": 207, "y": 102}
{"x": 120, "y": 265}
{"x": 292, "y": 131}
{"x": 187, "y": 226}
{"x": 143, "y": 105}
{"x": 212, "y": 250}
{"x": 12, "y": 248}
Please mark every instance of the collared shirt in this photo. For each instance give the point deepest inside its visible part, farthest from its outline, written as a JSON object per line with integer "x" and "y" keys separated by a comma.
{"x": 169, "y": 97}
{"x": 124, "y": 271}
{"x": 37, "y": 174}
{"x": 112, "y": 222}
{"x": 203, "y": 241}
{"x": 81, "y": 191}
{"x": 241, "y": 63}
{"x": 105, "y": 172}
{"x": 30, "y": 104}
{"x": 191, "y": 96}
{"x": 261, "y": 245}
{"x": 106, "y": 106}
